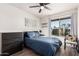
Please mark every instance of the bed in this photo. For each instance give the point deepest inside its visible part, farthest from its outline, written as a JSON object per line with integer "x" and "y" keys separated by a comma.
{"x": 46, "y": 46}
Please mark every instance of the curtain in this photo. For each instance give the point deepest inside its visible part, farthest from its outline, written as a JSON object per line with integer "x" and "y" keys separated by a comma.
{"x": 74, "y": 24}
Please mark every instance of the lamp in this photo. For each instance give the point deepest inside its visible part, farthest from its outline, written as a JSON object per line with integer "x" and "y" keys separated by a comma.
{"x": 42, "y": 7}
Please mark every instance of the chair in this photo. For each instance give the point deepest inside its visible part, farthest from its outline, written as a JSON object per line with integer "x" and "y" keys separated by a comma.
{"x": 70, "y": 39}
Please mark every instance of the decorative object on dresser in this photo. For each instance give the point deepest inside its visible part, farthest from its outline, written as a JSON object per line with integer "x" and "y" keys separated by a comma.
{"x": 11, "y": 43}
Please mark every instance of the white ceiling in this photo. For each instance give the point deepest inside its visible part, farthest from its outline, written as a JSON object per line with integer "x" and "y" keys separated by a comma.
{"x": 55, "y": 8}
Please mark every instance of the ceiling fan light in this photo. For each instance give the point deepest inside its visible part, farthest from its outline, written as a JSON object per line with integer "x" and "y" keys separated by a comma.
{"x": 42, "y": 7}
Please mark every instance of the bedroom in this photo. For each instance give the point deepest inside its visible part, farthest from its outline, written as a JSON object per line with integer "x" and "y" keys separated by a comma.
{"x": 43, "y": 30}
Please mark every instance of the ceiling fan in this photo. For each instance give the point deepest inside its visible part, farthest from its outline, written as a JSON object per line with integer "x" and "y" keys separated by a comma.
{"x": 42, "y": 6}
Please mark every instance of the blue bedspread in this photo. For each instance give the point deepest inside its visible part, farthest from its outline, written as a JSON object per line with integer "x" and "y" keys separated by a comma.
{"x": 43, "y": 45}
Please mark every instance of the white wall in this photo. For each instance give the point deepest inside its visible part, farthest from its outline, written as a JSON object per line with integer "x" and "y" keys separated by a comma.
{"x": 12, "y": 19}
{"x": 67, "y": 13}
{"x": 78, "y": 24}
{"x": 45, "y": 31}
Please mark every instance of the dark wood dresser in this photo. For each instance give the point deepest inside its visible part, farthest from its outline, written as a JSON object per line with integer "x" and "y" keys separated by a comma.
{"x": 11, "y": 43}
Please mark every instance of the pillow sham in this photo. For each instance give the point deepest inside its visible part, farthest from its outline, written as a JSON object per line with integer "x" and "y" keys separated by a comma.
{"x": 31, "y": 34}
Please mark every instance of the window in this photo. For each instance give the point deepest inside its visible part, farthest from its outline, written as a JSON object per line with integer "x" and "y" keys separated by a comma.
{"x": 55, "y": 27}
{"x": 61, "y": 27}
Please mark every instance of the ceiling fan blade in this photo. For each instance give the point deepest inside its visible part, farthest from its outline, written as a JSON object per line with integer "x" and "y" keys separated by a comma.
{"x": 34, "y": 6}
{"x": 47, "y": 7}
{"x": 46, "y": 3}
{"x": 40, "y": 10}
{"x": 42, "y": 4}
